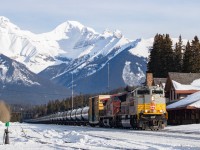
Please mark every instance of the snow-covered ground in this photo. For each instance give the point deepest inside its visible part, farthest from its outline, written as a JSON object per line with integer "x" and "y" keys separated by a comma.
{"x": 39, "y": 136}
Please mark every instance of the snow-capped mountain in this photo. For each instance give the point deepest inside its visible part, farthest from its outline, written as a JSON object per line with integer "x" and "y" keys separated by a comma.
{"x": 68, "y": 41}
{"x": 72, "y": 48}
{"x": 126, "y": 67}
{"x": 19, "y": 85}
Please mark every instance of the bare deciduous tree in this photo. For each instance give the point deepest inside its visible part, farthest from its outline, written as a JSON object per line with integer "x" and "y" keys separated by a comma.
{"x": 4, "y": 112}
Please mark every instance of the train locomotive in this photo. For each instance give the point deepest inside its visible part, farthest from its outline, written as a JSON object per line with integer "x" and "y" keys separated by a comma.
{"x": 142, "y": 108}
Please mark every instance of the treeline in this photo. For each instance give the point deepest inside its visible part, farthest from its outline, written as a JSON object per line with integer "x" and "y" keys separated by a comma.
{"x": 66, "y": 104}
{"x": 58, "y": 106}
{"x": 165, "y": 57}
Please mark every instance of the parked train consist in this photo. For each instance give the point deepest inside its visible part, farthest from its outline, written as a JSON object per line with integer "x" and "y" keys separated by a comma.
{"x": 142, "y": 108}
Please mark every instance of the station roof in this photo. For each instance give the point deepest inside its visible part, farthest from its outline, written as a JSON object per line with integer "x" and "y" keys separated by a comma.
{"x": 187, "y": 83}
{"x": 190, "y": 102}
{"x": 184, "y": 78}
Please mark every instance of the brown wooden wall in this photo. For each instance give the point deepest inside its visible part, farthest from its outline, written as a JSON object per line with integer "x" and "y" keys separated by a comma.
{"x": 183, "y": 116}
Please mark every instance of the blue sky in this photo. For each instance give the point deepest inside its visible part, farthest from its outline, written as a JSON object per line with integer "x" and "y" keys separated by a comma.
{"x": 135, "y": 18}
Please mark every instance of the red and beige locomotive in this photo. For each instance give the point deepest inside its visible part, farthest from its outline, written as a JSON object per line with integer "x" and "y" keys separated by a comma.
{"x": 142, "y": 108}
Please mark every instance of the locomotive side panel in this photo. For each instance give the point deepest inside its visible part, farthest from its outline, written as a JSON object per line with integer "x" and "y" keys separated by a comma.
{"x": 96, "y": 108}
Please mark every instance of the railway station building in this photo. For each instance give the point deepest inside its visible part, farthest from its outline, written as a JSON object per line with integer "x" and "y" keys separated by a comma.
{"x": 179, "y": 85}
{"x": 185, "y": 111}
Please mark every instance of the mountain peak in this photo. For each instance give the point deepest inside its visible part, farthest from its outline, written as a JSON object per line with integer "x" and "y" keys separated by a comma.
{"x": 6, "y": 24}
{"x": 73, "y": 25}
{"x": 117, "y": 34}
{"x": 3, "y": 19}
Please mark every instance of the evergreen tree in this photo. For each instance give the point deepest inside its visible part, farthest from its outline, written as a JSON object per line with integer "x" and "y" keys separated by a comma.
{"x": 167, "y": 56}
{"x": 161, "y": 60}
{"x": 195, "y": 47}
{"x": 57, "y": 106}
{"x": 50, "y": 107}
{"x": 187, "y": 59}
{"x": 63, "y": 105}
{"x": 154, "y": 64}
{"x": 178, "y": 56}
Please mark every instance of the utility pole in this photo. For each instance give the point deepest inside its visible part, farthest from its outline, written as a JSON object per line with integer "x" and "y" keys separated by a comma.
{"x": 72, "y": 92}
{"x": 108, "y": 77}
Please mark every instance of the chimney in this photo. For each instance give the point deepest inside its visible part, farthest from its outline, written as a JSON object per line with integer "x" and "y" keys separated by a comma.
{"x": 149, "y": 79}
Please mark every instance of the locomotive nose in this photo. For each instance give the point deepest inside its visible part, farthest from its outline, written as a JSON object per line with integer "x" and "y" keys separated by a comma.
{"x": 153, "y": 106}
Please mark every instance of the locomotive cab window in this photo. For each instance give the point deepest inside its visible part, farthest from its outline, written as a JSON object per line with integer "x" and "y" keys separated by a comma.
{"x": 157, "y": 91}
{"x": 143, "y": 92}
{"x": 122, "y": 98}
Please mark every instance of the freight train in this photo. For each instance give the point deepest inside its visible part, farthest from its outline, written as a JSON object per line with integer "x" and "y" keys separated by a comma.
{"x": 143, "y": 108}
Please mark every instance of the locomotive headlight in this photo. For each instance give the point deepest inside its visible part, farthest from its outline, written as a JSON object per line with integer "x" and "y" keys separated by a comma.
{"x": 152, "y": 98}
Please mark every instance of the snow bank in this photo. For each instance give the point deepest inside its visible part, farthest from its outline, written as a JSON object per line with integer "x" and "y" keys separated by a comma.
{"x": 74, "y": 137}
{"x": 51, "y": 137}
{"x": 193, "y": 128}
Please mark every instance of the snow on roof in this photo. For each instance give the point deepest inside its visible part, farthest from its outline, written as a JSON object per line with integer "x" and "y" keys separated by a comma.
{"x": 195, "y": 85}
{"x": 195, "y": 104}
{"x": 191, "y": 100}
{"x": 160, "y": 81}
{"x": 163, "y": 84}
